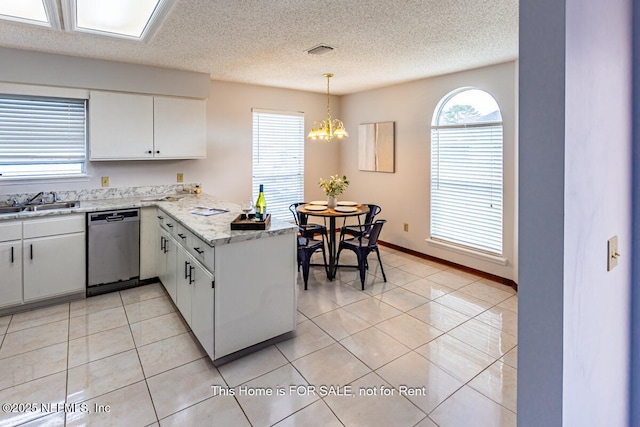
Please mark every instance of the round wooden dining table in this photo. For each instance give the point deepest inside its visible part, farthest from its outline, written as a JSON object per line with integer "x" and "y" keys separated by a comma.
{"x": 332, "y": 214}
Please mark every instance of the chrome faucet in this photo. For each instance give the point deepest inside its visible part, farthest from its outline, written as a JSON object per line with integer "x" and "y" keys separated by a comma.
{"x": 36, "y": 199}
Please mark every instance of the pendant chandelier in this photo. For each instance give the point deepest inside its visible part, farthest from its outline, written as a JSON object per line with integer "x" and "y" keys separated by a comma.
{"x": 329, "y": 128}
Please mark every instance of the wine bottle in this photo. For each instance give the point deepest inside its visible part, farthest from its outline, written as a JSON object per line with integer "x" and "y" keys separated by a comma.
{"x": 261, "y": 205}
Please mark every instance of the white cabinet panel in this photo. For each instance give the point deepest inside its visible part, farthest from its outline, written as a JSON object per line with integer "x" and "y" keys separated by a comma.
{"x": 51, "y": 226}
{"x": 47, "y": 273}
{"x": 120, "y": 126}
{"x": 179, "y": 128}
{"x": 255, "y": 289}
{"x": 11, "y": 273}
{"x": 167, "y": 262}
{"x": 195, "y": 298}
{"x": 184, "y": 284}
{"x": 10, "y": 231}
{"x": 202, "y": 307}
{"x": 149, "y": 238}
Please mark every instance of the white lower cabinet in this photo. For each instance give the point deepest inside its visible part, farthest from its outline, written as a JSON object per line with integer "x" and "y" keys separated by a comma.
{"x": 60, "y": 257}
{"x": 202, "y": 315}
{"x": 232, "y": 295}
{"x": 195, "y": 298}
{"x": 42, "y": 258}
{"x": 167, "y": 272}
{"x": 184, "y": 281}
{"x": 10, "y": 273}
{"x": 187, "y": 281}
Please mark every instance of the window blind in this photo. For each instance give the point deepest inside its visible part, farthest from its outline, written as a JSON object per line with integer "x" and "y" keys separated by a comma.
{"x": 466, "y": 185}
{"x": 42, "y": 136}
{"x": 278, "y": 160}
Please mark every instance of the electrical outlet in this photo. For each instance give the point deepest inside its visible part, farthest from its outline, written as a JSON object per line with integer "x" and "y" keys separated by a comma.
{"x": 612, "y": 253}
{"x": 105, "y": 181}
{"x": 406, "y": 226}
{"x": 180, "y": 177}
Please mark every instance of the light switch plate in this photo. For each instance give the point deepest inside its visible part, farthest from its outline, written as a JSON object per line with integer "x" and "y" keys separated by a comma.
{"x": 612, "y": 253}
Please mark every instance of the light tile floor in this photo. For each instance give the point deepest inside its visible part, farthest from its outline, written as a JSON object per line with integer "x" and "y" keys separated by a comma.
{"x": 432, "y": 346}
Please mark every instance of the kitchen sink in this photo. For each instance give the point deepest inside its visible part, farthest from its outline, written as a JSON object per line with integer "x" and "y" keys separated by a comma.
{"x": 49, "y": 206}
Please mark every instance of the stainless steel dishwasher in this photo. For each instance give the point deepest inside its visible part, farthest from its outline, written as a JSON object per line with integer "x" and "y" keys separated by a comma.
{"x": 113, "y": 250}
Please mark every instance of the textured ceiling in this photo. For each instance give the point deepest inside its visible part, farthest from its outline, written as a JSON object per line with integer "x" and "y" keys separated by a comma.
{"x": 377, "y": 43}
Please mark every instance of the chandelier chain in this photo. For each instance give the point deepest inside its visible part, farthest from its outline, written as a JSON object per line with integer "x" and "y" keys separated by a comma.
{"x": 328, "y": 109}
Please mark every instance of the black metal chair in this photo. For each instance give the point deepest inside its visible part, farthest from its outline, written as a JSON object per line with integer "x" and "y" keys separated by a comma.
{"x": 306, "y": 230}
{"x": 360, "y": 230}
{"x": 306, "y": 248}
{"x": 363, "y": 245}
{"x": 307, "y": 244}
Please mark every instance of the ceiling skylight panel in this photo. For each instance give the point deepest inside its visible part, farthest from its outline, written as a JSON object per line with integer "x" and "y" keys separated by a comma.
{"x": 136, "y": 20}
{"x": 36, "y": 12}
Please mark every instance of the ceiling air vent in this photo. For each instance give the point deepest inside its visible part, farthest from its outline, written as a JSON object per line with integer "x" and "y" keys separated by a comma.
{"x": 319, "y": 50}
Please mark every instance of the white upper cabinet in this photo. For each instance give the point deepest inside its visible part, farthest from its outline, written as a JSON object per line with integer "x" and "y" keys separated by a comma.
{"x": 126, "y": 126}
{"x": 179, "y": 128}
{"x": 120, "y": 126}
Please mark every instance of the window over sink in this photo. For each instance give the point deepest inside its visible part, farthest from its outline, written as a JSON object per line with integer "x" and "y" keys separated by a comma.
{"x": 42, "y": 136}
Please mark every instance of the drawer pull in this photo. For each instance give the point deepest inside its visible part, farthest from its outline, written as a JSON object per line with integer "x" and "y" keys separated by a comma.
{"x": 11, "y": 254}
{"x": 191, "y": 279}
{"x": 200, "y": 251}
{"x": 170, "y": 225}
{"x": 160, "y": 217}
{"x": 182, "y": 236}
{"x": 30, "y": 251}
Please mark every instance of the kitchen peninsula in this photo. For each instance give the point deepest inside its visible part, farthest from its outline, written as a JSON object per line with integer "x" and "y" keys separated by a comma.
{"x": 234, "y": 288}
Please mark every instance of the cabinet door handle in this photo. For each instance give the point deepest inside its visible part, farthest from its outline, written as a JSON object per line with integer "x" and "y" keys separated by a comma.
{"x": 158, "y": 152}
{"x": 186, "y": 268}
{"x": 200, "y": 251}
{"x": 31, "y": 251}
{"x": 149, "y": 152}
{"x": 162, "y": 243}
{"x": 191, "y": 279}
{"x": 11, "y": 254}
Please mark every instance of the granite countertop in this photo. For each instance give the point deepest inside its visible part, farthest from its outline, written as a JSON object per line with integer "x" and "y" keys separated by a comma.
{"x": 214, "y": 230}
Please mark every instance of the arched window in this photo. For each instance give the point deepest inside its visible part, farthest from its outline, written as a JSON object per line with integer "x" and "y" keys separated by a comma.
{"x": 466, "y": 171}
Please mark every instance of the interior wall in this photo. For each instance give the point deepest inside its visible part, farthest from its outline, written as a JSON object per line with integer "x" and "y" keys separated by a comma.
{"x": 597, "y": 207}
{"x": 404, "y": 195}
{"x": 541, "y": 211}
{"x": 634, "y": 405}
{"x": 227, "y": 171}
{"x": 573, "y": 317}
{"x": 39, "y": 68}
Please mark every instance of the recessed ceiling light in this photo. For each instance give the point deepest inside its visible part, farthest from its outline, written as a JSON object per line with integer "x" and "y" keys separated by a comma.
{"x": 36, "y": 12}
{"x": 135, "y": 20}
